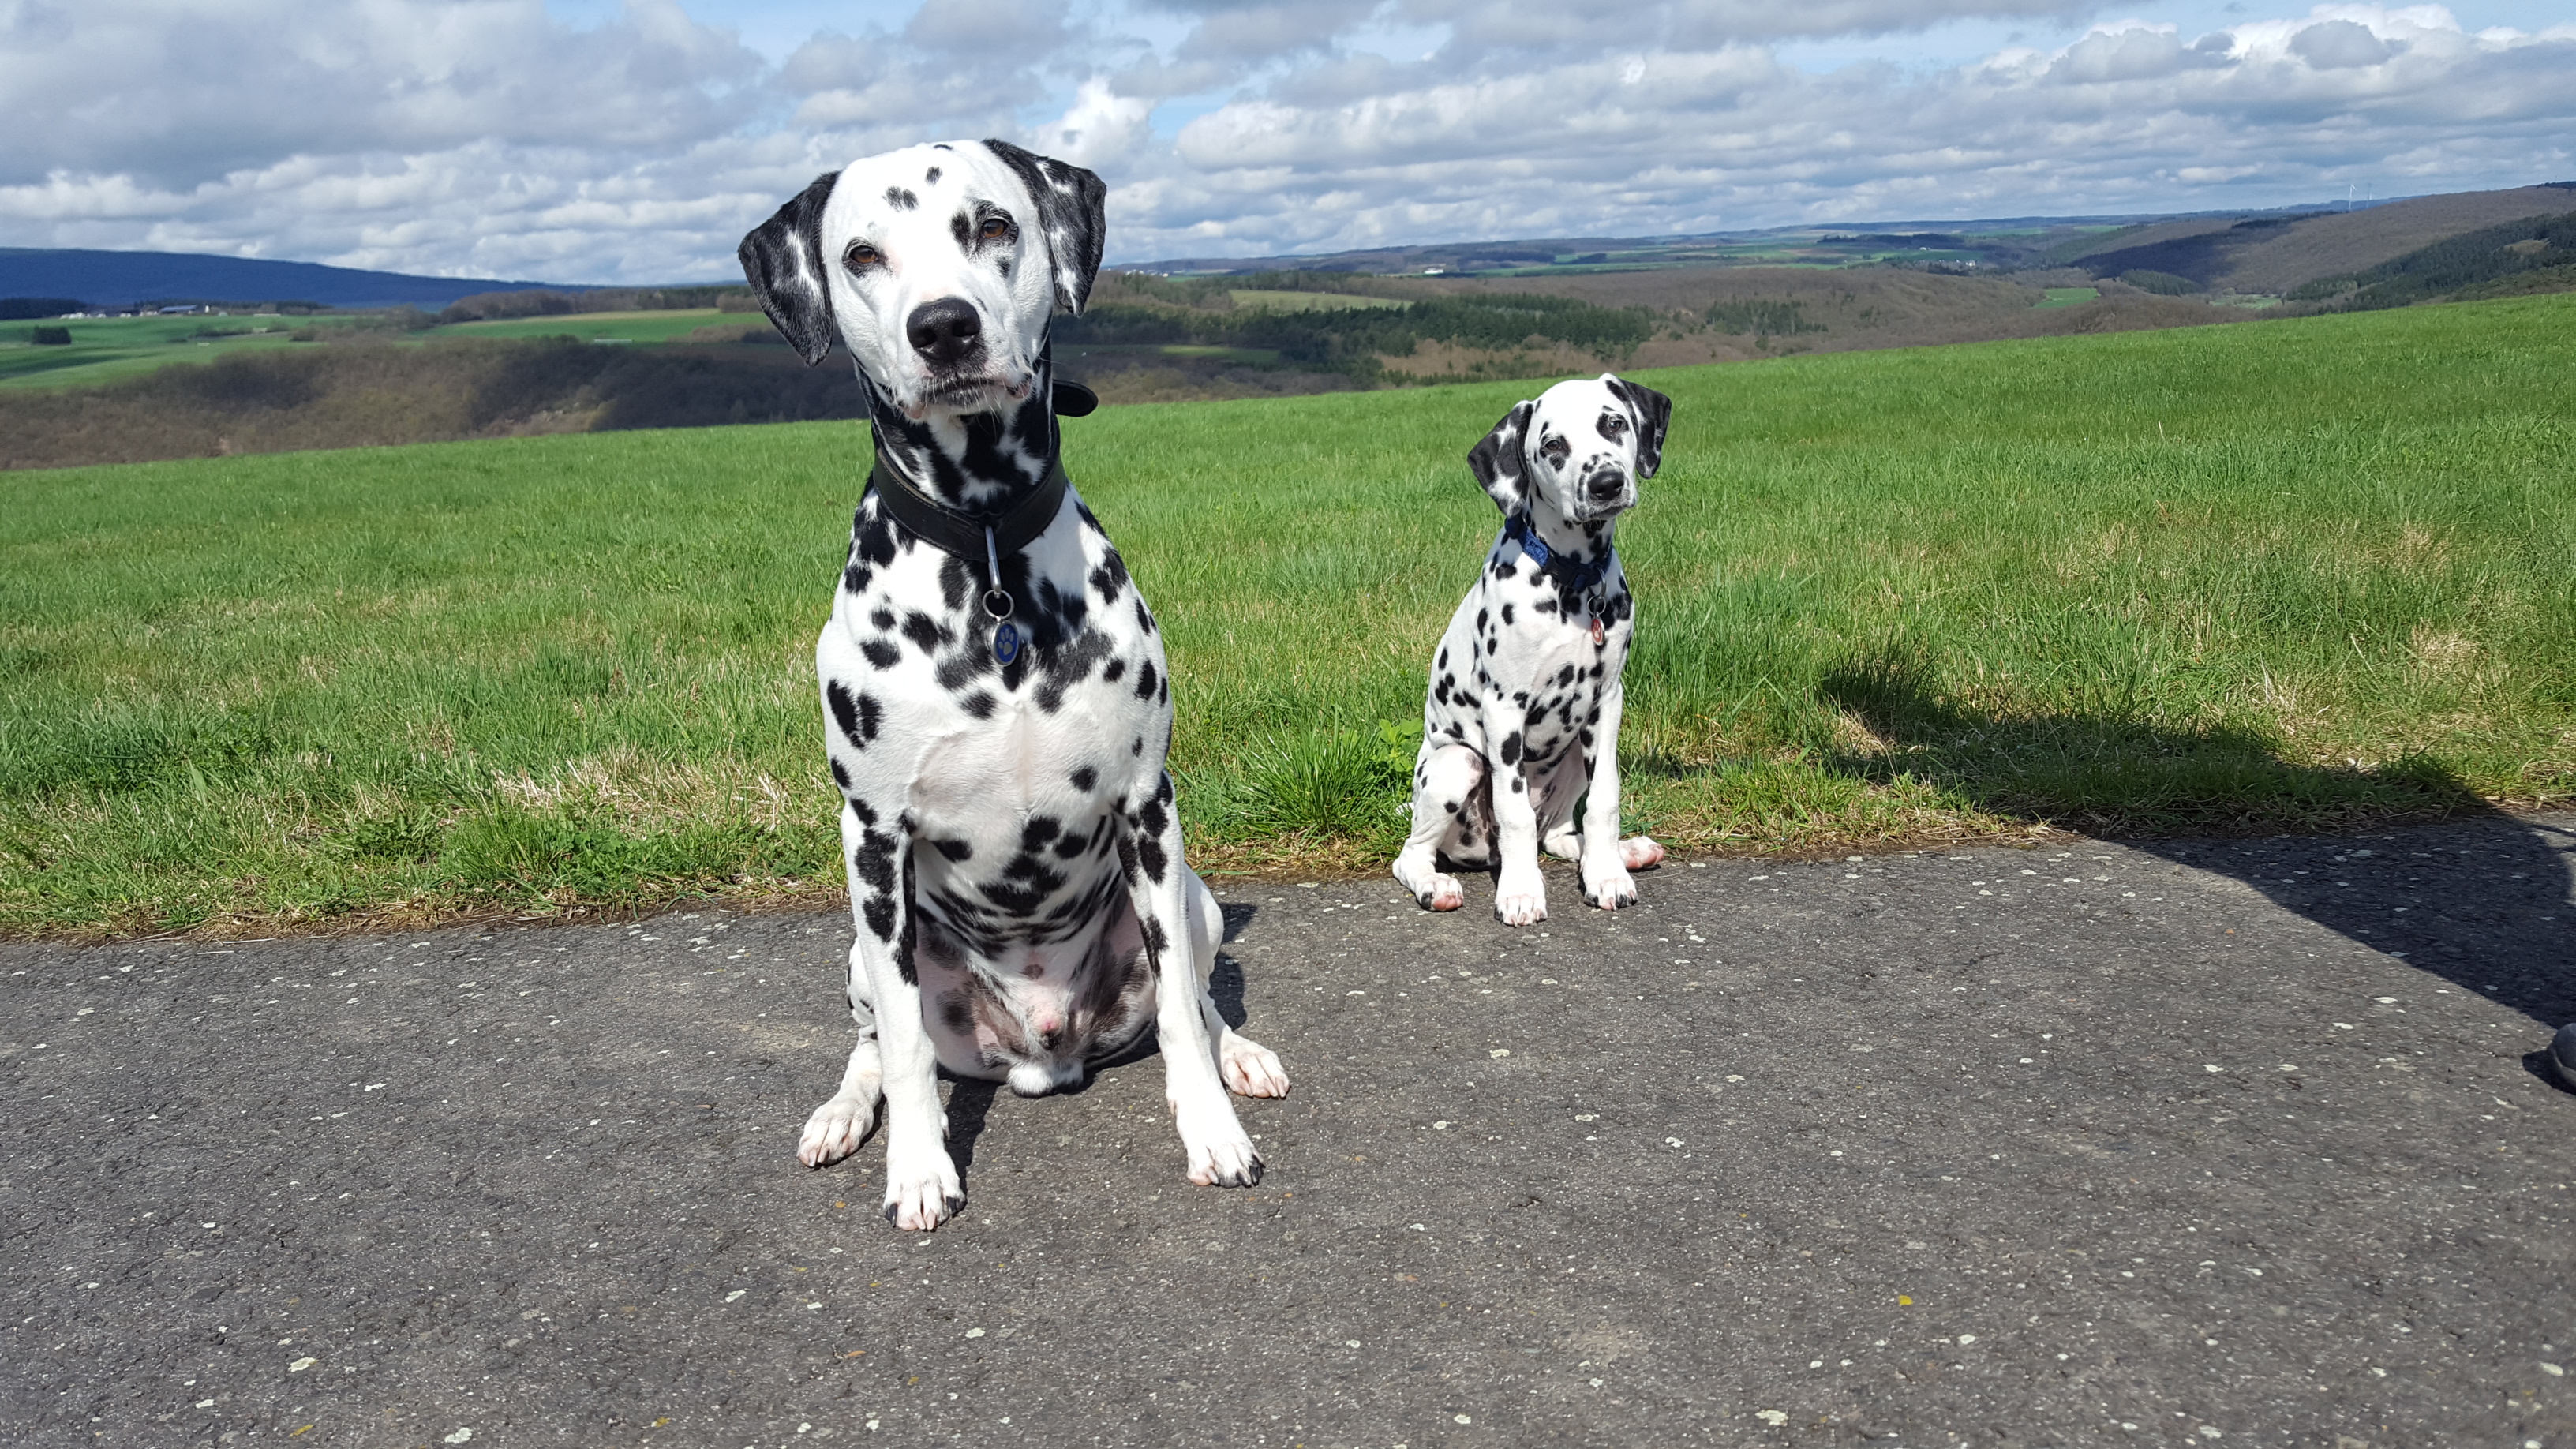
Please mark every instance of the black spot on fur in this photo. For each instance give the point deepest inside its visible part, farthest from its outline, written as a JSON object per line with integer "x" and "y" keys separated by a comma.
{"x": 1510, "y": 751}
{"x": 979, "y": 704}
{"x": 872, "y": 536}
{"x": 1084, "y": 778}
{"x": 900, "y": 199}
{"x": 930, "y": 177}
{"x": 883, "y": 619}
{"x": 881, "y": 654}
{"x": 854, "y": 578}
{"x": 859, "y": 718}
{"x": 840, "y": 776}
{"x": 1038, "y": 831}
{"x": 1136, "y": 746}
{"x": 1507, "y": 614}
{"x": 926, "y": 633}
{"x": 879, "y": 912}
{"x": 867, "y": 814}
{"x": 1109, "y": 578}
{"x": 1116, "y": 669}
{"x": 1145, "y": 679}
{"x": 957, "y": 850}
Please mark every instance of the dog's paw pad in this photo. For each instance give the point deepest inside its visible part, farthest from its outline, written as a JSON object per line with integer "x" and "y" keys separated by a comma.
{"x": 1251, "y": 1069}
{"x": 1443, "y": 894}
{"x": 835, "y": 1130}
{"x": 1639, "y": 852}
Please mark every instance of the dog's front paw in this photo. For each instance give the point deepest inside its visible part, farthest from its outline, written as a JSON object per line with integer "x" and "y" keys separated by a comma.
{"x": 1221, "y": 1155}
{"x": 1441, "y": 893}
{"x": 1611, "y": 890}
{"x": 923, "y": 1193}
{"x": 1251, "y": 1069}
{"x": 1521, "y": 902}
{"x": 836, "y": 1129}
{"x": 1640, "y": 852}
{"x": 1226, "y": 1164}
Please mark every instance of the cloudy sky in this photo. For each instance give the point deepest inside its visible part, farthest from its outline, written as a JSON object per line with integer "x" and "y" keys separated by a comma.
{"x": 635, "y": 140}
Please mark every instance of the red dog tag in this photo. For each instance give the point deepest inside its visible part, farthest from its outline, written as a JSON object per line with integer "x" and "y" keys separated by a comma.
{"x": 1598, "y": 633}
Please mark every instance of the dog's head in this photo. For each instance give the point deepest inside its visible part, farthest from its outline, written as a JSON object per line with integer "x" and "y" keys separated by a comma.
{"x": 1578, "y": 450}
{"x": 937, "y": 265}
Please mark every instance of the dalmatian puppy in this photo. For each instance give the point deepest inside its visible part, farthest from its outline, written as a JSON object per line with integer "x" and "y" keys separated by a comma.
{"x": 1523, "y": 715}
{"x": 996, "y": 700}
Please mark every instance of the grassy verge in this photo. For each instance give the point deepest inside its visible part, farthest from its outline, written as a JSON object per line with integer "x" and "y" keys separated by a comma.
{"x": 2293, "y": 573}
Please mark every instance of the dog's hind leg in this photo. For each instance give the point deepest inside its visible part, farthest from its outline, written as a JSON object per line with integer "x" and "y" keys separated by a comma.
{"x": 1559, "y": 834}
{"x": 1249, "y": 1068}
{"x": 1447, "y": 779}
{"x": 838, "y": 1126}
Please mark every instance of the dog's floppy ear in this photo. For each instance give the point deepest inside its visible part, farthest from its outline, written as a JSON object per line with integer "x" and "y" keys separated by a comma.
{"x": 1498, "y": 461}
{"x": 1073, "y": 216}
{"x": 1652, "y": 411}
{"x": 783, "y": 258}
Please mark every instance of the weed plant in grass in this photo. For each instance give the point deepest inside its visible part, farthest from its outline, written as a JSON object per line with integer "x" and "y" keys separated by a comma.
{"x": 2285, "y": 573}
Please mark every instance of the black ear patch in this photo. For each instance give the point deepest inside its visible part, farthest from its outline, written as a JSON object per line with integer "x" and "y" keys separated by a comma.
{"x": 1073, "y": 216}
{"x": 783, "y": 259}
{"x": 1498, "y": 462}
{"x": 1653, "y": 412}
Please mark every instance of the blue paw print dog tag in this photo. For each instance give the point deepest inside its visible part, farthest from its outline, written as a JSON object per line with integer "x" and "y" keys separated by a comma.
{"x": 1006, "y": 643}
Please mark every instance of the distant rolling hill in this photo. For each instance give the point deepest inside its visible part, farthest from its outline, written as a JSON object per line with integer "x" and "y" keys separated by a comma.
{"x": 121, "y": 279}
{"x": 2276, "y": 255}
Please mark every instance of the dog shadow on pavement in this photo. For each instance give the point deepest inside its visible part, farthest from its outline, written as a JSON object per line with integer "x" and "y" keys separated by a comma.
{"x": 2403, "y": 858}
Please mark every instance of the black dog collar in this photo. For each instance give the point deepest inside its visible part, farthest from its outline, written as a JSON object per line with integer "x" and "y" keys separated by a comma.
{"x": 954, "y": 533}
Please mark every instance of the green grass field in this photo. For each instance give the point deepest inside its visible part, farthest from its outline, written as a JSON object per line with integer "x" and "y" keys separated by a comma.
{"x": 106, "y": 348}
{"x": 2274, "y": 574}
{"x": 595, "y": 326}
{"x": 2066, "y": 297}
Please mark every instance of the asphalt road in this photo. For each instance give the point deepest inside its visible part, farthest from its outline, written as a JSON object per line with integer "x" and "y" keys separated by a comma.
{"x": 2216, "y": 1143}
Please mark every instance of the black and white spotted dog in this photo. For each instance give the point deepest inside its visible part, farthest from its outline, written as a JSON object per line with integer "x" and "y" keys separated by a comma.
{"x": 996, "y": 696}
{"x": 1523, "y": 715}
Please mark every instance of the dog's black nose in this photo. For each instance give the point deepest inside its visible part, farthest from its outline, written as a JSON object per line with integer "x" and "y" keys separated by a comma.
{"x": 1605, "y": 487}
{"x": 945, "y": 330}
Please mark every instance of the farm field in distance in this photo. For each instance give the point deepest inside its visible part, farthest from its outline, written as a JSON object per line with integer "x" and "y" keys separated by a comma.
{"x": 2292, "y": 574}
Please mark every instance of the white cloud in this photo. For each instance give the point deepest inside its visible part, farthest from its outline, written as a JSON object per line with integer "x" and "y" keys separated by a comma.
{"x": 490, "y": 137}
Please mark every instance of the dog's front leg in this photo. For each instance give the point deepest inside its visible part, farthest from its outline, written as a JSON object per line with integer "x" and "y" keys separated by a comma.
{"x": 1520, "y": 892}
{"x": 1149, "y": 849}
{"x": 922, "y": 1190}
{"x": 1607, "y": 859}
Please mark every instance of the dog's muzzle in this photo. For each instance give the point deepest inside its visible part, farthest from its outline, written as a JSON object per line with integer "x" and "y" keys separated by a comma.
{"x": 1605, "y": 491}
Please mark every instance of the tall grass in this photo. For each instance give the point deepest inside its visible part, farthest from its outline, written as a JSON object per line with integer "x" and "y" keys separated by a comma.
{"x": 2275, "y": 573}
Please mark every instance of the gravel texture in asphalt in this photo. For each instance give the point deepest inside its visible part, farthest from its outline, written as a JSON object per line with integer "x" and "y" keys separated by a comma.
{"x": 2208, "y": 1143}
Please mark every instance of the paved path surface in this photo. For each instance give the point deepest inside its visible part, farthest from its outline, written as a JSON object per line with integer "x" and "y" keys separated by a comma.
{"x": 2107, "y": 1145}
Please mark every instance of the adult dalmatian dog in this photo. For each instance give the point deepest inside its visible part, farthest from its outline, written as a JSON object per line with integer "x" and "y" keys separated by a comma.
{"x": 1522, "y": 720}
{"x": 996, "y": 699}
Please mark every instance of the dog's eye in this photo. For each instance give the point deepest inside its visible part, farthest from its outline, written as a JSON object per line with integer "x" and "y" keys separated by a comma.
{"x": 1613, "y": 425}
{"x": 996, "y": 227}
{"x": 1556, "y": 449}
{"x": 860, "y": 254}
